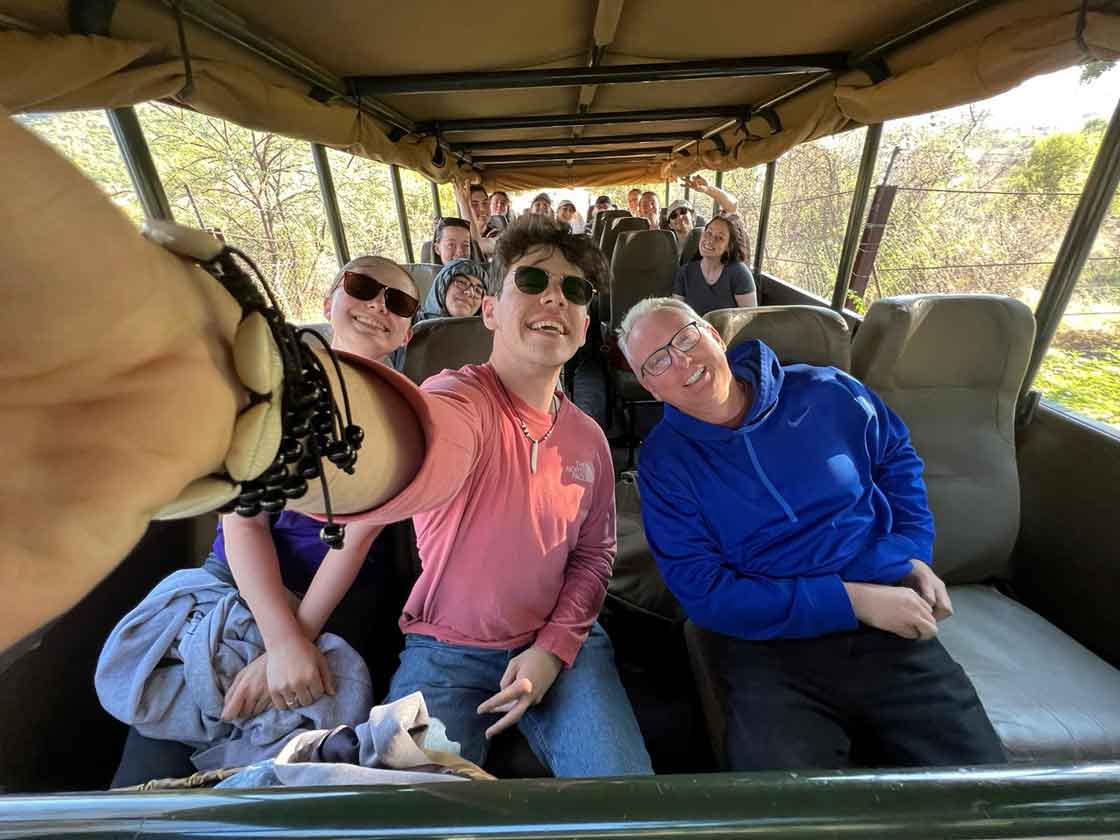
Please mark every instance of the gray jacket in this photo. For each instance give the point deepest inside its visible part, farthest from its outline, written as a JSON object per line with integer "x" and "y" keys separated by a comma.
{"x": 167, "y": 665}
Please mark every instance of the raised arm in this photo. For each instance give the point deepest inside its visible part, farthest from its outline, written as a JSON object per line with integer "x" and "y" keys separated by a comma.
{"x": 117, "y": 388}
{"x": 726, "y": 201}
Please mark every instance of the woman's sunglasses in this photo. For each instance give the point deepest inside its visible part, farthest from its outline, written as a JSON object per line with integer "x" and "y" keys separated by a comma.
{"x": 533, "y": 281}
{"x": 364, "y": 287}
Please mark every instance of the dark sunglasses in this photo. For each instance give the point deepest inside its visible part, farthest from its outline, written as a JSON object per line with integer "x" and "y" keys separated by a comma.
{"x": 533, "y": 281}
{"x": 677, "y": 213}
{"x": 364, "y": 287}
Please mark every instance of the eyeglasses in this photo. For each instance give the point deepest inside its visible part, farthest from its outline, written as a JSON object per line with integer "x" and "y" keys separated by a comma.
{"x": 467, "y": 287}
{"x": 364, "y": 287}
{"x": 676, "y": 214}
{"x": 660, "y": 360}
{"x": 533, "y": 281}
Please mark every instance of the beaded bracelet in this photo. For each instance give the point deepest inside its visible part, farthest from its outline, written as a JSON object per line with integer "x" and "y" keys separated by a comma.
{"x": 292, "y": 421}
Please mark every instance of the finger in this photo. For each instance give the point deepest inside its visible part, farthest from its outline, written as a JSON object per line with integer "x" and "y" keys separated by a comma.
{"x": 278, "y": 700}
{"x": 304, "y": 695}
{"x": 925, "y": 629}
{"x": 327, "y": 677}
{"x": 508, "y": 676}
{"x": 262, "y": 705}
{"x": 510, "y": 718}
{"x": 946, "y": 603}
{"x": 516, "y": 691}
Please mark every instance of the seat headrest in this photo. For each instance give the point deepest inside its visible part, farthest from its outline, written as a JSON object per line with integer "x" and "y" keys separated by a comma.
{"x": 423, "y": 275}
{"x": 691, "y": 244}
{"x": 951, "y": 367}
{"x": 811, "y": 335}
{"x": 618, "y": 227}
{"x": 446, "y": 343}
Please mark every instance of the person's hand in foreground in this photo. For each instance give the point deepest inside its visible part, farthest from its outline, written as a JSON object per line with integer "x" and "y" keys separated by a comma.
{"x": 527, "y": 679}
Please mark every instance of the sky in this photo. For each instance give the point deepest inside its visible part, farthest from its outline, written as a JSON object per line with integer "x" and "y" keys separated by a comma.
{"x": 1056, "y": 101}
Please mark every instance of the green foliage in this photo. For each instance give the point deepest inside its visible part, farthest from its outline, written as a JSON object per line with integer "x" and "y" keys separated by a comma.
{"x": 1093, "y": 69}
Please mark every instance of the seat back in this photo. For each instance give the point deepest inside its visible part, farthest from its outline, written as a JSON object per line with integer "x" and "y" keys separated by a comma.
{"x": 603, "y": 222}
{"x": 617, "y": 227}
{"x": 423, "y": 275}
{"x": 442, "y": 343}
{"x": 691, "y": 244}
{"x": 951, "y": 367}
{"x": 643, "y": 265}
{"x": 426, "y": 255}
{"x": 812, "y": 335}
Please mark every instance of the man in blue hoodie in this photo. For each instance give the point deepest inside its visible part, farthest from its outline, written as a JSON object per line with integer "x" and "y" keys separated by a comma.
{"x": 787, "y": 513}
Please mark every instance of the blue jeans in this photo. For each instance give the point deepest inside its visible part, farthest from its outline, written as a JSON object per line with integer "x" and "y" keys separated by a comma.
{"x": 583, "y": 726}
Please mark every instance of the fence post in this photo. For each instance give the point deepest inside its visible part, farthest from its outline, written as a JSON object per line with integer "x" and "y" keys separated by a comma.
{"x": 330, "y": 202}
{"x": 1092, "y": 207}
{"x": 138, "y": 160}
{"x": 402, "y": 217}
{"x": 856, "y": 214}
{"x": 764, "y": 218}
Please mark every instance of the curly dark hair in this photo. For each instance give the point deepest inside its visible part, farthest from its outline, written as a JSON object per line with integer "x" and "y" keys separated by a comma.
{"x": 738, "y": 246}
{"x": 528, "y": 232}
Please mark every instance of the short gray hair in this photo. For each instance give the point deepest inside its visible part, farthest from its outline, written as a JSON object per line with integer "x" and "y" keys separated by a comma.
{"x": 647, "y": 307}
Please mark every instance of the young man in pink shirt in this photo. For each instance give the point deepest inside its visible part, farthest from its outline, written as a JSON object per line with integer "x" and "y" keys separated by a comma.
{"x": 500, "y": 627}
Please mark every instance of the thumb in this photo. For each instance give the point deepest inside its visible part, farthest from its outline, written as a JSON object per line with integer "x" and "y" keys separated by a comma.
{"x": 326, "y": 676}
{"x": 510, "y": 674}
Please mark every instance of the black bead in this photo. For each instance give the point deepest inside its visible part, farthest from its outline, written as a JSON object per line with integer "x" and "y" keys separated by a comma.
{"x": 277, "y": 472}
{"x": 354, "y": 435}
{"x": 230, "y": 506}
{"x": 295, "y": 488}
{"x": 333, "y": 534}
{"x": 248, "y": 509}
{"x": 321, "y": 441}
{"x": 322, "y": 422}
{"x": 291, "y": 450}
{"x": 250, "y": 494}
{"x": 308, "y": 467}
{"x": 307, "y": 395}
{"x": 273, "y": 505}
{"x": 338, "y": 453}
{"x": 300, "y": 427}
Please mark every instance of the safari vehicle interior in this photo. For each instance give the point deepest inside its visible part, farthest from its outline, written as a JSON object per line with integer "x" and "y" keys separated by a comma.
{"x": 540, "y": 95}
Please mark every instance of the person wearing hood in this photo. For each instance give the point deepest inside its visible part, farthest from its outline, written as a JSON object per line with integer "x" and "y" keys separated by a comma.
{"x": 456, "y": 291}
{"x": 785, "y": 507}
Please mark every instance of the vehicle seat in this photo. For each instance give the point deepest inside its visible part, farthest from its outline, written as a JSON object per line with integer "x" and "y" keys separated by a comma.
{"x": 602, "y": 223}
{"x": 812, "y": 335}
{"x": 691, "y": 245}
{"x": 446, "y": 343}
{"x": 952, "y": 367}
{"x": 426, "y": 255}
{"x": 423, "y": 274}
{"x": 617, "y": 227}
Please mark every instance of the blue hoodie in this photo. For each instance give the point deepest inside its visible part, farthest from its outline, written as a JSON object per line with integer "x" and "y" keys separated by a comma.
{"x": 755, "y": 529}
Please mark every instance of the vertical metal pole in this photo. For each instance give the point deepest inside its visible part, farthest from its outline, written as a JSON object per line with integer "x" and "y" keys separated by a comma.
{"x": 1092, "y": 207}
{"x": 764, "y": 217}
{"x": 667, "y": 193}
{"x": 138, "y": 160}
{"x": 686, "y": 192}
{"x": 855, "y": 215}
{"x": 719, "y": 186}
{"x": 402, "y": 218}
{"x": 437, "y": 211}
{"x": 330, "y": 202}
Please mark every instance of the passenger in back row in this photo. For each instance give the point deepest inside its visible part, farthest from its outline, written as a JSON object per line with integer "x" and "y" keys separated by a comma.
{"x": 633, "y": 201}
{"x": 451, "y": 240}
{"x": 649, "y": 208}
{"x": 717, "y": 277}
{"x": 682, "y": 215}
{"x": 456, "y": 291}
{"x": 786, "y": 510}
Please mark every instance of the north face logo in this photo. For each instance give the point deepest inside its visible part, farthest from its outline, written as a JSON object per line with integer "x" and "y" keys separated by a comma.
{"x": 580, "y": 471}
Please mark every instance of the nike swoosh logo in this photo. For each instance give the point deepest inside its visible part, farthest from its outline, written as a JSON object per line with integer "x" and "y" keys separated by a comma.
{"x": 793, "y": 424}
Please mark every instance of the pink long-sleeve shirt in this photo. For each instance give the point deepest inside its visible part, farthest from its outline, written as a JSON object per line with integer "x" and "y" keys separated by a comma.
{"x": 509, "y": 557}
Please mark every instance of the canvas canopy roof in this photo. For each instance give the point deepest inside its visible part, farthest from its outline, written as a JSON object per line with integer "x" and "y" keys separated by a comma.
{"x": 499, "y": 90}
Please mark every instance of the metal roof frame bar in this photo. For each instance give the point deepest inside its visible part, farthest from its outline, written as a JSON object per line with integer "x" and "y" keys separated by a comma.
{"x": 598, "y": 74}
{"x": 652, "y": 137}
{"x": 608, "y": 118}
{"x": 545, "y": 157}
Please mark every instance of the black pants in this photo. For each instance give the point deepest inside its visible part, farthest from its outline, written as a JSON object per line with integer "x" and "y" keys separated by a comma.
{"x": 865, "y": 698}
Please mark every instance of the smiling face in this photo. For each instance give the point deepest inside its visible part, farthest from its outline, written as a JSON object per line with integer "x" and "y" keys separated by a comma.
{"x": 681, "y": 221}
{"x": 648, "y": 206}
{"x": 536, "y": 331}
{"x": 566, "y": 212}
{"x": 540, "y": 207}
{"x": 698, "y": 381}
{"x": 365, "y": 327}
{"x": 632, "y": 199}
{"x": 463, "y": 295}
{"x": 453, "y": 243}
{"x": 715, "y": 240}
{"x": 499, "y": 204}
{"x": 480, "y": 205}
